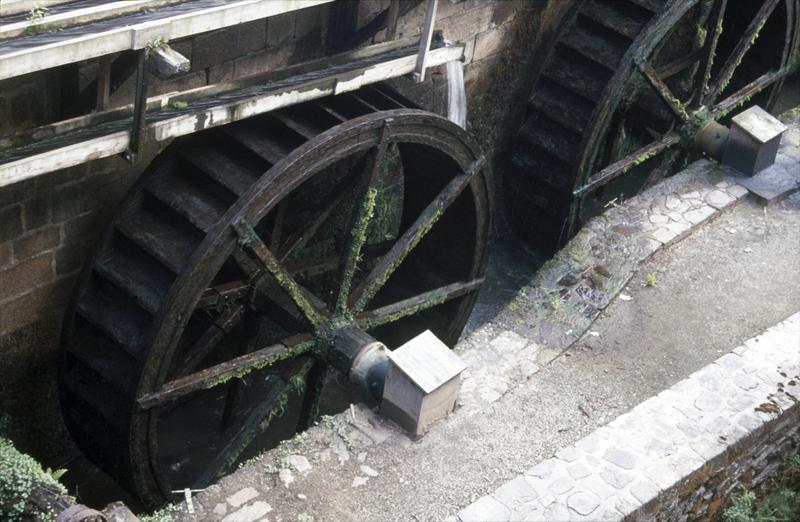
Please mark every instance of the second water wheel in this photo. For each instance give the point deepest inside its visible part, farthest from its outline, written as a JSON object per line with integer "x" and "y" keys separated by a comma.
{"x": 623, "y": 94}
{"x": 203, "y": 327}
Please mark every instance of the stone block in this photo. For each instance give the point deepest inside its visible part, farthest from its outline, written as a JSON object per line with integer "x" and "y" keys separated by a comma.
{"x": 23, "y": 277}
{"x": 280, "y": 29}
{"x": 37, "y": 242}
{"x": 422, "y": 383}
{"x": 485, "y": 509}
{"x": 10, "y": 223}
{"x": 753, "y": 140}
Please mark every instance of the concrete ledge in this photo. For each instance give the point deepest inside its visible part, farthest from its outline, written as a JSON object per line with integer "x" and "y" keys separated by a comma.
{"x": 674, "y": 456}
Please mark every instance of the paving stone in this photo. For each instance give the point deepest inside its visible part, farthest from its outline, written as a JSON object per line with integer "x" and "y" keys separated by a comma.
{"x": 700, "y": 214}
{"x": 745, "y": 382}
{"x": 543, "y": 469}
{"x": 719, "y": 199}
{"x": 249, "y": 513}
{"x": 672, "y": 202}
{"x": 583, "y": 503}
{"x": 664, "y": 235}
{"x": 707, "y": 403}
{"x": 705, "y": 447}
{"x": 516, "y": 489}
{"x": 568, "y": 454}
{"x": 220, "y": 509}
{"x": 299, "y": 463}
{"x": 578, "y": 470}
{"x": 622, "y": 458}
{"x": 644, "y": 490}
{"x": 485, "y": 509}
{"x": 679, "y": 227}
{"x": 359, "y": 481}
{"x": 561, "y": 485}
{"x": 737, "y": 191}
{"x": 615, "y": 477}
{"x": 558, "y": 512}
{"x": 662, "y": 475}
{"x": 730, "y": 361}
{"x": 286, "y": 477}
{"x": 242, "y": 496}
{"x": 597, "y": 486}
{"x": 589, "y": 444}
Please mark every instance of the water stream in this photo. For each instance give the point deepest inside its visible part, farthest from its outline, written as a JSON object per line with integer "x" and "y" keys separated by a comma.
{"x": 456, "y": 94}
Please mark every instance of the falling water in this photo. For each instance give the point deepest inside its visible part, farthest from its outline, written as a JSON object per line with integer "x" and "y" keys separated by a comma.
{"x": 456, "y": 95}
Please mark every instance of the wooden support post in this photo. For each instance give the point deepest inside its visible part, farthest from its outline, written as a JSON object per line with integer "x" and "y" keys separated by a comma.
{"x": 425, "y": 41}
{"x": 139, "y": 108}
{"x": 392, "y": 19}
{"x": 103, "y": 83}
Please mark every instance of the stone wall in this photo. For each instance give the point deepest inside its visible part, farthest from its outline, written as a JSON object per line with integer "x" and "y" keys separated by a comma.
{"x": 48, "y": 225}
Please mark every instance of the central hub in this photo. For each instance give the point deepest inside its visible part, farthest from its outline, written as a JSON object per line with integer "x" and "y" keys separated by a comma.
{"x": 705, "y": 134}
{"x": 356, "y": 354}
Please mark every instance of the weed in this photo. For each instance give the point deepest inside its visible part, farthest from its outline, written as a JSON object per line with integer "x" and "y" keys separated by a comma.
{"x": 651, "y": 280}
{"x": 179, "y": 104}
{"x": 37, "y": 13}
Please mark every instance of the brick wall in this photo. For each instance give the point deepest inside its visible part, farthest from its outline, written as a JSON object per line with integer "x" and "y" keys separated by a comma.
{"x": 48, "y": 225}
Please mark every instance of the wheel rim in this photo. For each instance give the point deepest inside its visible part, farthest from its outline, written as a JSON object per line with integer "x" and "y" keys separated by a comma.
{"x": 434, "y": 156}
{"x": 590, "y": 116}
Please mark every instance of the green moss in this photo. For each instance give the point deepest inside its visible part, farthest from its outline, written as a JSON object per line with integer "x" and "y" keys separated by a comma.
{"x": 286, "y": 354}
{"x": 19, "y": 474}
{"x": 358, "y": 239}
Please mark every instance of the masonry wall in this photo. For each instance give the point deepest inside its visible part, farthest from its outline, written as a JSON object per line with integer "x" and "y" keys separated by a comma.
{"x": 49, "y": 225}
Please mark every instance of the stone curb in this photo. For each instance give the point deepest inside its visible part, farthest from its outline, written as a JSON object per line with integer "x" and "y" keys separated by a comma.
{"x": 622, "y": 469}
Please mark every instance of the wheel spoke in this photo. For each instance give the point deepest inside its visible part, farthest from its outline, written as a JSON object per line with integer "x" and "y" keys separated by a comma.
{"x": 223, "y": 372}
{"x": 365, "y": 291}
{"x": 277, "y": 226}
{"x": 709, "y": 53}
{"x": 418, "y": 303}
{"x": 309, "y": 410}
{"x": 620, "y": 167}
{"x": 361, "y": 219}
{"x": 301, "y": 297}
{"x": 209, "y": 339}
{"x": 747, "y": 92}
{"x": 663, "y": 89}
{"x": 271, "y": 407}
{"x": 745, "y": 43}
{"x": 219, "y": 295}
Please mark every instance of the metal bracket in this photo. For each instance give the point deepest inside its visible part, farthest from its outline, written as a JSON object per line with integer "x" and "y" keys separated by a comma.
{"x": 425, "y": 42}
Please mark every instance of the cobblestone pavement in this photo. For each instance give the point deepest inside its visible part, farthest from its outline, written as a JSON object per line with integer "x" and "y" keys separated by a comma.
{"x": 523, "y": 397}
{"x": 621, "y": 467}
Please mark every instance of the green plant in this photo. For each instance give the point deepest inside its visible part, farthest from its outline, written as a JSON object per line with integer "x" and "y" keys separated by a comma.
{"x": 780, "y": 501}
{"x": 651, "y": 280}
{"x": 19, "y": 475}
{"x": 179, "y": 104}
{"x": 37, "y": 13}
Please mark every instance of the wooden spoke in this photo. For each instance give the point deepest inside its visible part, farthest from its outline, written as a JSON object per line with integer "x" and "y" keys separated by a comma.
{"x": 412, "y": 305}
{"x": 301, "y": 297}
{"x": 709, "y": 53}
{"x": 620, "y": 167}
{"x": 209, "y": 339}
{"x": 219, "y": 295}
{"x": 297, "y": 241}
{"x": 362, "y": 216}
{"x": 743, "y": 45}
{"x": 663, "y": 90}
{"x": 365, "y": 291}
{"x": 747, "y": 92}
{"x": 271, "y": 407}
{"x": 309, "y": 410}
{"x": 277, "y": 226}
{"x": 223, "y": 372}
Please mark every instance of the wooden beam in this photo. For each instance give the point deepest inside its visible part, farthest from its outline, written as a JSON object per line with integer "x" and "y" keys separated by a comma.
{"x": 58, "y": 18}
{"x": 193, "y": 121}
{"x": 425, "y": 41}
{"x": 71, "y": 45}
{"x": 165, "y": 62}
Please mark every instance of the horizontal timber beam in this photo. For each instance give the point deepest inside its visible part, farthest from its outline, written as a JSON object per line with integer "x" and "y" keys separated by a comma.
{"x": 165, "y": 123}
{"x": 35, "y": 53}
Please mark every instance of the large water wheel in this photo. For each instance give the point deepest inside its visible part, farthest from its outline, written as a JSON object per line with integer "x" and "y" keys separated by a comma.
{"x": 626, "y": 88}
{"x": 204, "y": 325}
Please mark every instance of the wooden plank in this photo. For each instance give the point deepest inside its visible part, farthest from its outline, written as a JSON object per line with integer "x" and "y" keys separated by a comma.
{"x": 60, "y": 50}
{"x": 66, "y": 17}
{"x": 117, "y": 142}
